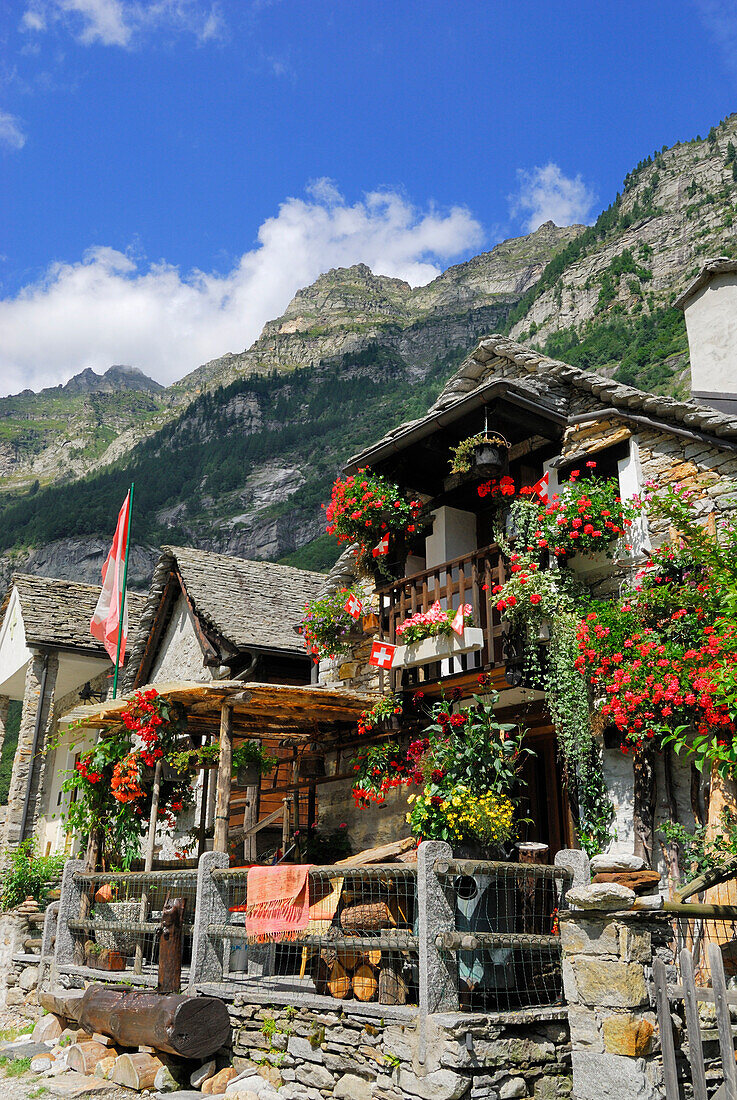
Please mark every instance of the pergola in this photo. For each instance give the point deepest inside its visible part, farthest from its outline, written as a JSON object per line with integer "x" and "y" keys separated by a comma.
{"x": 231, "y": 710}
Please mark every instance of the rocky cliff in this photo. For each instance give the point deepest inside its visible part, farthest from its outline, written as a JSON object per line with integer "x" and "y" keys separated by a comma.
{"x": 238, "y": 456}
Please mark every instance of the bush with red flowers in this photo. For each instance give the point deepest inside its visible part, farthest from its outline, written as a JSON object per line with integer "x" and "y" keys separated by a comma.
{"x": 585, "y": 515}
{"x": 367, "y": 506}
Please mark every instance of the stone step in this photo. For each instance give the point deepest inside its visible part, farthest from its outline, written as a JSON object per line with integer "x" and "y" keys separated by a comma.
{"x": 33, "y": 960}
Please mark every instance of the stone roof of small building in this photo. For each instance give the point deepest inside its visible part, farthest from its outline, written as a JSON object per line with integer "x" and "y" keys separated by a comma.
{"x": 478, "y": 369}
{"x": 58, "y": 612}
{"x": 720, "y": 265}
{"x": 250, "y": 604}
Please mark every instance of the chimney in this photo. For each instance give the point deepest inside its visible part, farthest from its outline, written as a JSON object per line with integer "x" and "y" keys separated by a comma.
{"x": 710, "y": 306}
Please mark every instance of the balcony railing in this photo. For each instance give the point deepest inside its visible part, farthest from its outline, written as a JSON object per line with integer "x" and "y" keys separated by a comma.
{"x": 468, "y": 579}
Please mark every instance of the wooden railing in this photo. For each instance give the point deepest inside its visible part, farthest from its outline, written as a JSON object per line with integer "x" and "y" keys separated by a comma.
{"x": 468, "y": 579}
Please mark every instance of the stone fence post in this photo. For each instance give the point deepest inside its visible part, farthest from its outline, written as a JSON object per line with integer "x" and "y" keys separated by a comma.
{"x": 51, "y": 921}
{"x": 70, "y": 904}
{"x": 438, "y": 972}
{"x": 209, "y": 909}
{"x": 607, "y": 978}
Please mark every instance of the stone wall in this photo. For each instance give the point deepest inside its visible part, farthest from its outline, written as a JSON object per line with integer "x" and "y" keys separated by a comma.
{"x": 607, "y": 976}
{"x": 358, "y": 1055}
{"x": 19, "y": 972}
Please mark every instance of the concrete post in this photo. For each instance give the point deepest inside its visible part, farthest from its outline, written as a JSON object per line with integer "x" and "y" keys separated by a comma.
{"x": 28, "y": 770}
{"x": 210, "y": 908}
{"x": 70, "y": 904}
{"x": 438, "y": 972}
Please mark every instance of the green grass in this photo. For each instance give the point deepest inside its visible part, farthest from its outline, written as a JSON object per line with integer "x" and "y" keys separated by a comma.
{"x": 40, "y": 1091}
{"x": 15, "y": 1068}
{"x": 11, "y": 1033}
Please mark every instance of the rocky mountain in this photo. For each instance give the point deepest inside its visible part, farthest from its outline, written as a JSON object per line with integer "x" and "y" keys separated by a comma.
{"x": 238, "y": 456}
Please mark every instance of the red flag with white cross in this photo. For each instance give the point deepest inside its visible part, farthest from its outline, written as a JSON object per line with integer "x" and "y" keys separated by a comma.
{"x": 382, "y": 654}
{"x": 458, "y": 623}
{"x": 353, "y": 606}
{"x": 541, "y": 487}
{"x": 382, "y": 547}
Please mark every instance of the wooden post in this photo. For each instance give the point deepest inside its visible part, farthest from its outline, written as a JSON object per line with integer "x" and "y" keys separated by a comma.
{"x": 645, "y": 793}
{"x": 170, "y": 945}
{"x": 295, "y": 804}
{"x": 225, "y": 763}
{"x": 149, "y": 857}
{"x": 285, "y": 827}
{"x": 203, "y": 810}
{"x": 695, "y": 1047}
{"x": 250, "y": 818}
{"x": 724, "y": 1022}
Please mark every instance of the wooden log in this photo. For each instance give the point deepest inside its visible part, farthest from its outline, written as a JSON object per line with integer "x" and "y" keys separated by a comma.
{"x": 369, "y": 918}
{"x": 84, "y": 1056}
{"x": 350, "y": 958}
{"x": 383, "y": 854}
{"x": 222, "y": 789}
{"x": 192, "y": 1027}
{"x": 392, "y": 986}
{"x": 170, "y": 945}
{"x": 365, "y": 982}
{"x": 66, "y": 1003}
{"x": 339, "y": 980}
{"x": 136, "y": 1071}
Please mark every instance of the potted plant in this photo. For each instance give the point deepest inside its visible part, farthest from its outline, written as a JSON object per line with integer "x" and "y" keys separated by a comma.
{"x": 584, "y": 523}
{"x": 367, "y": 508}
{"x": 102, "y": 958}
{"x": 430, "y": 635}
{"x": 483, "y": 453}
{"x": 327, "y": 628}
{"x": 311, "y": 763}
{"x": 250, "y": 762}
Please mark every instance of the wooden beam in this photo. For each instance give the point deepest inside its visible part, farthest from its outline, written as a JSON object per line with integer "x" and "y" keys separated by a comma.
{"x": 225, "y": 763}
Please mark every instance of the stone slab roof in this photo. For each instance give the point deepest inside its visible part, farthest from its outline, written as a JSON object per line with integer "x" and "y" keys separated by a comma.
{"x": 720, "y": 265}
{"x": 251, "y": 604}
{"x": 538, "y": 372}
{"x": 58, "y": 612}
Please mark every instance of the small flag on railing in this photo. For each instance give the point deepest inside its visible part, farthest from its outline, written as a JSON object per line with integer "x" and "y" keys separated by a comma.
{"x": 458, "y": 623}
{"x": 382, "y": 654}
{"x": 381, "y": 547}
{"x": 353, "y": 606}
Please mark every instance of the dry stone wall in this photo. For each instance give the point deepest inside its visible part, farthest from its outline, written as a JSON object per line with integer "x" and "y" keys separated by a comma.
{"x": 310, "y": 1055}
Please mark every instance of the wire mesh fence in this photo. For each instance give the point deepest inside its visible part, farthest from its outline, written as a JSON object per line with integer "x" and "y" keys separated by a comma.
{"x": 117, "y": 929}
{"x": 504, "y": 952}
{"x": 357, "y": 940}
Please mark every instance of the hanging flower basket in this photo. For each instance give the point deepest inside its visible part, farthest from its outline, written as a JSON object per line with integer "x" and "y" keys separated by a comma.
{"x": 311, "y": 765}
{"x": 490, "y": 456}
{"x": 439, "y": 648}
{"x": 248, "y": 776}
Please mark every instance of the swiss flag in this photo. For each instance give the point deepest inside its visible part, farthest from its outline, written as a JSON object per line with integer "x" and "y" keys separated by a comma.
{"x": 541, "y": 487}
{"x": 105, "y": 622}
{"x": 382, "y": 654}
{"x": 353, "y": 606}
{"x": 458, "y": 624}
{"x": 381, "y": 547}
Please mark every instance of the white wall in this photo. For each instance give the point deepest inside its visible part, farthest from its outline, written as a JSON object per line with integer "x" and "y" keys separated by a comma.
{"x": 711, "y": 323}
{"x": 453, "y": 534}
{"x": 179, "y": 656}
{"x": 14, "y": 653}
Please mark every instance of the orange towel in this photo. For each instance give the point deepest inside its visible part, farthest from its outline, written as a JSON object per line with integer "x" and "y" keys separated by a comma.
{"x": 277, "y": 902}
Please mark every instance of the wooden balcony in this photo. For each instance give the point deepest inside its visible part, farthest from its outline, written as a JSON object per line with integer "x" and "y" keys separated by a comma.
{"x": 468, "y": 579}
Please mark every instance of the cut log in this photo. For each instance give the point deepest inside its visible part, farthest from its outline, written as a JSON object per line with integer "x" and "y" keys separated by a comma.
{"x": 383, "y": 854}
{"x": 136, "y": 1071}
{"x": 392, "y": 986}
{"x": 350, "y": 958}
{"x": 85, "y": 1056}
{"x": 365, "y": 983}
{"x": 339, "y": 981}
{"x": 66, "y": 1003}
{"x": 367, "y": 918}
{"x": 192, "y": 1027}
{"x": 642, "y": 882}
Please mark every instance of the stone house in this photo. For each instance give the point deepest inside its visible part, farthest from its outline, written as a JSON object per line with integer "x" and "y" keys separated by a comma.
{"x": 47, "y": 656}
{"x": 211, "y": 617}
{"x": 555, "y": 417}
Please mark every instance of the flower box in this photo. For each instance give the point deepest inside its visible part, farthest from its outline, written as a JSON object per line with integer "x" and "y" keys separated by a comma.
{"x": 439, "y": 648}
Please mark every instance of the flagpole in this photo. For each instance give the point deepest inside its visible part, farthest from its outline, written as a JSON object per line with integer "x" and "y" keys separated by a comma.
{"x": 125, "y": 581}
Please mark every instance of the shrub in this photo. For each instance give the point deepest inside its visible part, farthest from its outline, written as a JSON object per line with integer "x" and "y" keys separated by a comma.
{"x": 30, "y": 875}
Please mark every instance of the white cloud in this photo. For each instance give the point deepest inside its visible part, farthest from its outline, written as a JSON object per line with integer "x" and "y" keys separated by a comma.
{"x": 720, "y": 19}
{"x": 111, "y": 308}
{"x": 545, "y": 194}
{"x": 124, "y": 22}
{"x": 11, "y": 135}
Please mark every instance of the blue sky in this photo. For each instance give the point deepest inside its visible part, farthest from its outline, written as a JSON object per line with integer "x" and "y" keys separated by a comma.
{"x": 171, "y": 171}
